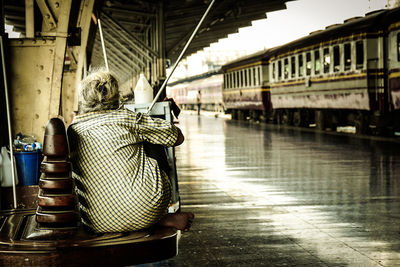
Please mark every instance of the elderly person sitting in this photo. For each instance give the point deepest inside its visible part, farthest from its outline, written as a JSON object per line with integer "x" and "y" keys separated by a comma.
{"x": 120, "y": 188}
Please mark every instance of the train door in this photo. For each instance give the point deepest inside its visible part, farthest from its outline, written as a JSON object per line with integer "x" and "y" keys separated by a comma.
{"x": 266, "y": 89}
{"x": 375, "y": 76}
{"x": 393, "y": 79}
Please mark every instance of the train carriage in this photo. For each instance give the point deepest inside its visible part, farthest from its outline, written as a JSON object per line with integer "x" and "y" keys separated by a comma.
{"x": 345, "y": 75}
{"x": 339, "y": 76}
{"x": 393, "y": 63}
{"x": 178, "y": 92}
{"x": 209, "y": 84}
{"x": 246, "y": 89}
{"x": 211, "y": 94}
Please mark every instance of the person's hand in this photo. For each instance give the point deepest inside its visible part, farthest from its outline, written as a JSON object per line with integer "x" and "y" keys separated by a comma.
{"x": 174, "y": 107}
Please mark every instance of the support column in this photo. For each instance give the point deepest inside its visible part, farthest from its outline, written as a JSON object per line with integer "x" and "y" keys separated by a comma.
{"x": 84, "y": 22}
{"x": 36, "y": 71}
{"x": 29, "y": 19}
{"x": 58, "y": 63}
{"x": 3, "y": 111}
{"x": 161, "y": 44}
{"x": 159, "y": 64}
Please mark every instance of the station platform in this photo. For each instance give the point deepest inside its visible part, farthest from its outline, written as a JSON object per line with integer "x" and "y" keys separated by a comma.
{"x": 265, "y": 195}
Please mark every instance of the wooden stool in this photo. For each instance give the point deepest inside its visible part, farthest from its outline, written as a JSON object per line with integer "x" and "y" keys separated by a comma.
{"x": 57, "y": 202}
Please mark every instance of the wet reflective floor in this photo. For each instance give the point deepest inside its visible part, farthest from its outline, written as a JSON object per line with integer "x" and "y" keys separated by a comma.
{"x": 270, "y": 196}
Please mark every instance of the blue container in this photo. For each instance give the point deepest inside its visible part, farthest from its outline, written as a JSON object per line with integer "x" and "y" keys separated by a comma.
{"x": 28, "y": 166}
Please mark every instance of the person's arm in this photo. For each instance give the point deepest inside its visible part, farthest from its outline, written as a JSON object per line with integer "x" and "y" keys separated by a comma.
{"x": 180, "y": 138}
{"x": 157, "y": 131}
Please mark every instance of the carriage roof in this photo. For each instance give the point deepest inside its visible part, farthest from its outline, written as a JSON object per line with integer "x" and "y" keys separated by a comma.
{"x": 258, "y": 56}
{"x": 375, "y": 22}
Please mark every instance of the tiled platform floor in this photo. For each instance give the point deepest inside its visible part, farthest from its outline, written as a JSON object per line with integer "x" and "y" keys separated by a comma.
{"x": 269, "y": 196}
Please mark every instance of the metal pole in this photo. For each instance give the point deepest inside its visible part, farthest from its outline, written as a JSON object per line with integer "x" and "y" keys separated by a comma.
{"x": 9, "y": 123}
{"x": 102, "y": 44}
{"x": 180, "y": 56}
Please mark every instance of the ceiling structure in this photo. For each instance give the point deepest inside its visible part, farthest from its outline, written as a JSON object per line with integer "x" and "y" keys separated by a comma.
{"x": 136, "y": 32}
{"x": 181, "y": 18}
{"x": 136, "y": 19}
{"x": 226, "y": 17}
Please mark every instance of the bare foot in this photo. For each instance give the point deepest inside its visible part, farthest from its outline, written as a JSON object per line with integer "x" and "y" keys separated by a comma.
{"x": 179, "y": 220}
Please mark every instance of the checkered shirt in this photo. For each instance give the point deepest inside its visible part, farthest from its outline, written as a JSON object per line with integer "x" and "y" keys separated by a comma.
{"x": 118, "y": 186}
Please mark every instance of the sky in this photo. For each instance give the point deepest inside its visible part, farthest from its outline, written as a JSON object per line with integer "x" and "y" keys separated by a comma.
{"x": 299, "y": 19}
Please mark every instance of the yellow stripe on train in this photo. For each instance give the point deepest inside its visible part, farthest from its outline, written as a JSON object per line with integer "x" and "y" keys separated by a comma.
{"x": 326, "y": 79}
{"x": 394, "y": 75}
{"x": 250, "y": 90}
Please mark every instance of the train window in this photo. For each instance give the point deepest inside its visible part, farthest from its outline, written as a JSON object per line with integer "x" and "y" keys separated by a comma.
{"x": 248, "y": 77}
{"x": 301, "y": 67}
{"x": 359, "y": 55}
{"x": 225, "y": 81}
{"x": 245, "y": 78}
{"x": 293, "y": 67}
{"x": 347, "y": 56}
{"x": 327, "y": 60}
{"x": 279, "y": 70}
{"x": 308, "y": 63}
{"x": 273, "y": 70}
{"x": 398, "y": 46}
{"x": 251, "y": 80}
{"x": 235, "y": 79}
{"x": 317, "y": 62}
{"x": 286, "y": 68}
{"x": 254, "y": 77}
{"x": 241, "y": 79}
{"x": 336, "y": 58}
{"x": 258, "y": 75}
{"x": 251, "y": 77}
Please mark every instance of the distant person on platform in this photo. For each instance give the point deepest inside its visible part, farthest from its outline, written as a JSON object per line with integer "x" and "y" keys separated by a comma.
{"x": 120, "y": 187}
{"x": 198, "y": 101}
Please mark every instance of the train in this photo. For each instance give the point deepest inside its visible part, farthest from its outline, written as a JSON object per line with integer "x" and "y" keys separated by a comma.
{"x": 185, "y": 91}
{"x": 345, "y": 75}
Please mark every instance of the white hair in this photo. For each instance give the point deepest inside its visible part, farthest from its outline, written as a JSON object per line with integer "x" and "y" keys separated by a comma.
{"x": 98, "y": 91}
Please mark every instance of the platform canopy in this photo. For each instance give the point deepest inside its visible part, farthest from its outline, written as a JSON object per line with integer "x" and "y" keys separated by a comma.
{"x": 180, "y": 18}
{"x": 143, "y": 34}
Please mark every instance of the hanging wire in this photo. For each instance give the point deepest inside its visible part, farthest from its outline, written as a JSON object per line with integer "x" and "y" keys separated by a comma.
{"x": 180, "y": 56}
{"x": 102, "y": 44}
{"x": 9, "y": 123}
